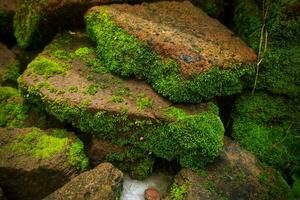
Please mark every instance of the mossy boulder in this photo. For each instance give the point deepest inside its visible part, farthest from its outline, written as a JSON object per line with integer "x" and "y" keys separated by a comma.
{"x": 75, "y": 87}
{"x": 235, "y": 174}
{"x": 34, "y": 163}
{"x": 7, "y": 11}
{"x": 184, "y": 54}
{"x": 15, "y": 112}
{"x": 37, "y": 21}
{"x": 268, "y": 126}
{"x": 280, "y": 67}
{"x": 9, "y": 66}
{"x": 103, "y": 182}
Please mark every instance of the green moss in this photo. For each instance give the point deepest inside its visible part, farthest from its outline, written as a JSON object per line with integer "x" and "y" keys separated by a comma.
{"x": 268, "y": 126}
{"x": 48, "y": 67}
{"x": 77, "y": 157}
{"x": 93, "y": 89}
{"x": 280, "y": 68}
{"x": 143, "y": 102}
{"x": 192, "y": 139}
{"x": 12, "y": 72}
{"x": 83, "y": 52}
{"x": 116, "y": 99}
{"x": 73, "y": 89}
{"x": 163, "y": 74}
{"x": 178, "y": 192}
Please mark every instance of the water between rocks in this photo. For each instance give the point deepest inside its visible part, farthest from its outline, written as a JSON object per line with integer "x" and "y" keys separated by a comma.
{"x": 134, "y": 189}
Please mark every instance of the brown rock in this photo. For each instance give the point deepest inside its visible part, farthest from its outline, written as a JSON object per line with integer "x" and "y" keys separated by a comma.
{"x": 34, "y": 163}
{"x": 9, "y": 67}
{"x": 101, "y": 183}
{"x": 234, "y": 175}
{"x": 152, "y": 194}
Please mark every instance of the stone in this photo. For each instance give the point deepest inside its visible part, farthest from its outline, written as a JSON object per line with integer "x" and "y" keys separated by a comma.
{"x": 180, "y": 34}
{"x": 103, "y": 182}
{"x": 152, "y": 194}
{"x": 236, "y": 174}
{"x": 34, "y": 163}
{"x": 7, "y": 12}
{"x": 9, "y": 66}
{"x": 74, "y": 86}
{"x": 37, "y": 22}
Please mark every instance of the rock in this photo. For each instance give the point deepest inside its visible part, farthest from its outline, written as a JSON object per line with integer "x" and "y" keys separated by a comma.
{"x": 36, "y": 22}
{"x": 34, "y": 163}
{"x": 152, "y": 194}
{"x": 180, "y": 35}
{"x": 214, "y": 8}
{"x": 103, "y": 182}
{"x": 24, "y": 56}
{"x": 15, "y": 112}
{"x": 72, "y": 84}
{"x": 236, "y": 174}
{"x": 7, "y": 11}
{"x": 9, "y": 66}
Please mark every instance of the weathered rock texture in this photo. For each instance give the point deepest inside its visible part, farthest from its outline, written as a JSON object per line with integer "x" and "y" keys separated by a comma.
{"x": 34, "y": 163}
{"x": 7, "y": 11}
{"x": 184, "y": 54}
{"x": 236, "y": 174}
{"x": 36, "y": 22}
{"x": 9, "y": 66}
{"x": 103, "y": 182}
{"x": 73, "y": 85}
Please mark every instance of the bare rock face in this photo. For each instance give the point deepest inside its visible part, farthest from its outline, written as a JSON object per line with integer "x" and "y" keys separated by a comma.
{"x": 152, "y": 194}
{"x": 9, "y": 66}
{"x": 236, "y": 174}
{"x": 72, "y": 84}
{"x": 103, "y": 182}
{"x": 34, "y": 163}
{"x": 184, "y": 54}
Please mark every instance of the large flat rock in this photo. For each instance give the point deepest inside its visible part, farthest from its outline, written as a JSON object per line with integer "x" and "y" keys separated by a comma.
{"x": 34, "y": 163}
{"x": 236, "y": 174}
{"x": 9, "y": 66}
{"x": 185, "y": 55}
{"x": 73, "y": 85}
{"x": 103, "y": 182}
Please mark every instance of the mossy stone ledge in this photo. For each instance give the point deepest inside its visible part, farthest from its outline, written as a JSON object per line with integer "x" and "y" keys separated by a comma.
{"x": 34, "y": 162}
{"x": 75, "y": 87}
{"x": 184, "y": 54}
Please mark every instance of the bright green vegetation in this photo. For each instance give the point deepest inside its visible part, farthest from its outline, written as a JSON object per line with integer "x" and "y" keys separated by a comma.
{"x": 42, "y": 145}
{"x": 93, "y": 89}
{"x": 269, "y": 126}
{"x": 163, "y": 74}
{"x": 143, "y": 102}
{"x": 11, "y": 72}
{"x": 280, "y": 68}
{"x": 179, "y": 191}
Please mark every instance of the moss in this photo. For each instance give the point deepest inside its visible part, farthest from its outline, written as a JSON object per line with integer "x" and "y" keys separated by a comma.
{"x": 73, "y": 89}
{"x": 178, "y": 192}
{"x": 42, "y": 145}
{"x": 279, "y": 70}
{"x": 48, "y": 67}
{"x": 143, "y": 101}
{"x": 268, "y": 126}
{"x": 82, "y": 52}
{"x": 163, "y": 74}
{"x": 11, "y": 72}
{"x": 93, "y": 89}
{"x": 116, "y": 99}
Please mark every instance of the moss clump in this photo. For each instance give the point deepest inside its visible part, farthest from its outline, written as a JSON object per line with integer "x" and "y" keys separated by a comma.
{"x": 11, "y": 72}
{"x": 179, "y": 191}
{"x": 268, "y": 126}
{"x": 279, "y": 70}
{"x": 143, "y": 101}
{"x": 43, "y": 145}
{"x": 163, "y": 74}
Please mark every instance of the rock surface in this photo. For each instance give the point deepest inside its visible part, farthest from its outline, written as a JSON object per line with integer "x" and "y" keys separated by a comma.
{"x": 9, "y": 66}
{"x": 236, "y": 174}
{"x": 195, "y": 49}
{"x": 103, "y": 182}
{"x": 152, "y": 194}
{"x": 34, "y": 163}
{"x": 73, "y": 85}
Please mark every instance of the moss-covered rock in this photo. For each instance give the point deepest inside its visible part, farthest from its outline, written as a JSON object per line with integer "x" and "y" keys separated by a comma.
{"x": 280, "y": 67}
{"x": 35, "y": 162}
{"x": 236, "y": 174}
{"x": 103, "y": 182}
{"x": 7, "y": 11}
{"x": 184, "y": 58}
{"x": 213, "y": 8}
{"x": 9, "y": 66}
{"x": 75, "y": 87}
{"x": 269, "y": 126}
{"x": 37, "y": 21}
{"x": 15, "y": 112}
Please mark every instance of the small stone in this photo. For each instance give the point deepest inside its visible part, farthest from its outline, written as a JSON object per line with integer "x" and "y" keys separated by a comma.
{"x": 152, "y": 194}
{"x": 186, "y": 58}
